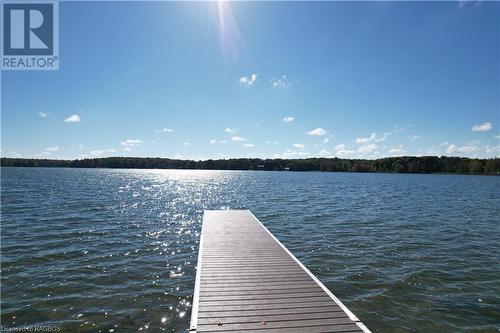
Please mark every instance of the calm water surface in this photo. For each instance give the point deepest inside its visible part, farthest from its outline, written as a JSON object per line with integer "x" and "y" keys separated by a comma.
{"x": 100, "y": 250}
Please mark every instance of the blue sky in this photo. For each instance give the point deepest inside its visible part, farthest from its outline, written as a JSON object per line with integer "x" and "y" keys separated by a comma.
{"x": 281, "y": 79}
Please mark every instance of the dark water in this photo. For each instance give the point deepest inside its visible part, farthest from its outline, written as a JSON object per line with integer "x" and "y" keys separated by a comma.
{"x": 100, "y": 250}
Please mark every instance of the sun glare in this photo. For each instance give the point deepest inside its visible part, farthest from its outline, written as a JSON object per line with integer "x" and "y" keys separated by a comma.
{"x": 229, "y": 34}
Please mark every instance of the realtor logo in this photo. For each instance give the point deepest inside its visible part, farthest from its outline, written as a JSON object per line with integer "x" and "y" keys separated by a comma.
{"x": 30, "y": 36}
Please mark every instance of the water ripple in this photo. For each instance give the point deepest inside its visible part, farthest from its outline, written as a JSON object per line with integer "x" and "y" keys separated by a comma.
{"x": 115, "y": 250}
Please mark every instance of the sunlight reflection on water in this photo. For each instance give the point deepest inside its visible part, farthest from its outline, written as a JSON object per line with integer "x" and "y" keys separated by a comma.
{"x": 98, "y": 250}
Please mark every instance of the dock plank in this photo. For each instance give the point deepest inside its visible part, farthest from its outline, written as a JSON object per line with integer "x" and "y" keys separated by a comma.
{"x": 247, "y": 281}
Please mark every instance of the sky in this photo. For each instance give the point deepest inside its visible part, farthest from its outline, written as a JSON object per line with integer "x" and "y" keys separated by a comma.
{"x": 270, "y": 80}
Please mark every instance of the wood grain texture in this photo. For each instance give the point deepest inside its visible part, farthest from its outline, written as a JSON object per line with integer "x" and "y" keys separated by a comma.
{"x": 247, "y": 281}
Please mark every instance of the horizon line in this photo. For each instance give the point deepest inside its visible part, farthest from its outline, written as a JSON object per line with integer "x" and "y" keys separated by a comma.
{"x": 250, "y": 158}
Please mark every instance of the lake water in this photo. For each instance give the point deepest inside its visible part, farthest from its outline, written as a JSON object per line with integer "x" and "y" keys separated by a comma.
{"x": 100, "y": 250}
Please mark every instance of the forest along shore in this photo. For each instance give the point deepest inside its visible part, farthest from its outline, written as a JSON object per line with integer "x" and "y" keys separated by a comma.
{"x": 405, "y": 164}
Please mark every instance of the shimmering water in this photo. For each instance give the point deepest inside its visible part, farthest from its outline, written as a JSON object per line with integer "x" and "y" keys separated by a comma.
{"x": 100, "y": 250}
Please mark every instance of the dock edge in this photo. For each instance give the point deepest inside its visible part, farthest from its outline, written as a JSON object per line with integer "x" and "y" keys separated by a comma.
{"x": 194, "y": 310}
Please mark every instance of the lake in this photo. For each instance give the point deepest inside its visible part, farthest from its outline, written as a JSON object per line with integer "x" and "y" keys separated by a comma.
{"x": 115, "y": 250}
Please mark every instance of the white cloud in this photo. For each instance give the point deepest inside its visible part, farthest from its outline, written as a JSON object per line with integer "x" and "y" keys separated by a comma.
{"x": 484, "y": 127}
{"x": 186, "y": 144}
{"x": 468, "y": 3}
{"x": 52, "y": 148}
{"x": 249, "y": 145}
{"x": 99, "y": 152}
{"x": 344, "y": 152}
{"x": 238, "y": 138}
{"x": 288, "y": 119}
{"x": 230, "y": 130}
{"x": 291, "y": 154}
{"x": 324, "y": 153}
{"x": 496, "y": 137}
{"x": 473, "y": 143}
{"x": 15, "y": 155}
{"x": 340, "y": 147}
{"x": 453, "y": 149}
{"x": 129, "y": 143}
{"x": 366, "y": 140}
{"x": 436, "y": 150}
{"x": 414, "y": 137}
{"x": 493, "y": 149}
{"x": 397, "y": 150}
{"x": 326, "y": 140}
{"x": 43, "y": 114}
{"x": 165, "y": 130}
{"x": 299, "y": 145}
{"x": 367, "y": 148}
{"x": 282, "y": 82}
{"x": 397, "y": 129}
{"x": 374, "y": 137}
{"x": 363, "y": 151}
{"x": 74, "y": 118}
{"x": 96, "y": 152}
{"x": 317, "y": 132}
{"x": 248, "y": 80}
{"x": 213, "y": 141}
{"x": 269, "y": 142}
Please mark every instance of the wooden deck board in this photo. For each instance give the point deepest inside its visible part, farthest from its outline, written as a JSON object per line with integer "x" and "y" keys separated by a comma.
{"x": 247, "y": 281}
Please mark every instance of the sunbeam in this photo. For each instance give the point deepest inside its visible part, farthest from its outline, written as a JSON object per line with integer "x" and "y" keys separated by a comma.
{"x": 230, "y": 38}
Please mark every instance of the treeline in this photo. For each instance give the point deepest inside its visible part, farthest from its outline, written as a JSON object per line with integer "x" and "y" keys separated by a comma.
{"x": 405, "y": 164}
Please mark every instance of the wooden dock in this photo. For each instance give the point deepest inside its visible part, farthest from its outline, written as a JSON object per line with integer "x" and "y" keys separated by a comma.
{"x": 248, "y": 281}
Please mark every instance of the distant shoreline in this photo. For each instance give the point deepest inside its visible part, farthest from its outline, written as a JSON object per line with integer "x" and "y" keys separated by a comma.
{"x": 404, "y": 164}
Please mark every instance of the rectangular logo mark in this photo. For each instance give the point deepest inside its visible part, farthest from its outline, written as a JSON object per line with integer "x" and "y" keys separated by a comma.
{"x": 30, "y": 37}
